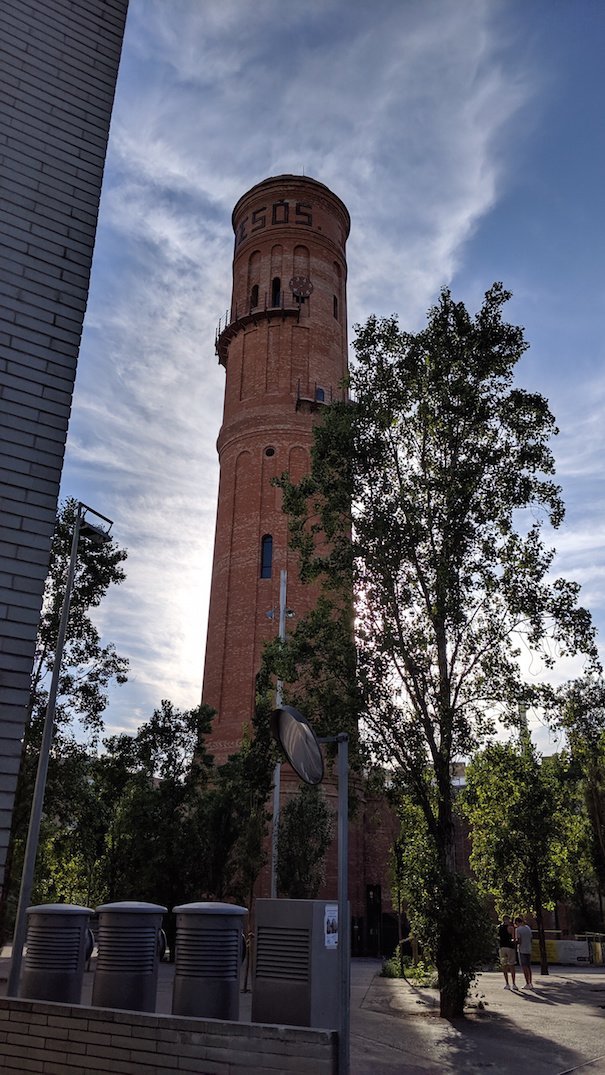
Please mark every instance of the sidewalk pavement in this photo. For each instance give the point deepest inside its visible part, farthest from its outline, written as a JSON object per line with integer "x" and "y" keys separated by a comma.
{"x": 558, "y": 1029}
{"x": 555, "y": 1030}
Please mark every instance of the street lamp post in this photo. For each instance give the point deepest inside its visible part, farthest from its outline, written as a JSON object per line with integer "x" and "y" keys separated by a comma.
{"x": 344, "y": 928}
{"x": 283, "y": 611}
{"x": 301, "y": 747}
{"x": 83, "y": 528}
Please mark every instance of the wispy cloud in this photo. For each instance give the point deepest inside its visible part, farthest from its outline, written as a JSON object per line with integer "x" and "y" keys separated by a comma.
{"x": 404, "y": 110}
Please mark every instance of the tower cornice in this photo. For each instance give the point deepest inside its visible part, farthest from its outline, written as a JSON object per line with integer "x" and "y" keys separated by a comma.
{"x": 248, "y": 427}
{"x": 289, "y": 184}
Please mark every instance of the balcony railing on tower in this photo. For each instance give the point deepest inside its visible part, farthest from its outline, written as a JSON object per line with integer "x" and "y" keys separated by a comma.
{"x": 238, "y": 319}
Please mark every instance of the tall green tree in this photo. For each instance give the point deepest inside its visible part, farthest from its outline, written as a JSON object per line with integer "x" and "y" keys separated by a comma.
{"x": 182, "y": 828}
{"x": 317, "y": 663}
{"x": 306, "y": 828}
{"x": 154, "y": 819}
{"x": 157, "y": 835}
{"x": 427, "y": 494}
{"x": 236, "y": 824}
{"x": 434, "y": 900}
{"x": 88, "y": 669}
{"x": 579, "y": 708}
{"x": 526, "y": 826}
{"x": 88, "y": 666}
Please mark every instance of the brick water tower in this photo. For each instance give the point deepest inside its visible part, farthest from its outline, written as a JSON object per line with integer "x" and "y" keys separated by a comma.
{"x": 284, "y": 349}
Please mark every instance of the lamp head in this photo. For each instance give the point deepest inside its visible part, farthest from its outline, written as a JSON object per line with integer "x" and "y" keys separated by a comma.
{"x": 95, "y": 534}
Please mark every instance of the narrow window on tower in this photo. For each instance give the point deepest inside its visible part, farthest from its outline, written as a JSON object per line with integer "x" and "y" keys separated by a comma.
{"x": 335, "y": 307}
{"x": 276, "y": 291}
{"x": 266, "y": 556}
{"x": 254, "y": 297}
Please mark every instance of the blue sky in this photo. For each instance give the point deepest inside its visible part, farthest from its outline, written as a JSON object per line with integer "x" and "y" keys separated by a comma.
{"x": 467, "y": 140}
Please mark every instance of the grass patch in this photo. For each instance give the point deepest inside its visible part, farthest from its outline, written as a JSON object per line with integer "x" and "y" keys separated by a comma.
{"x": 421, "y": 973}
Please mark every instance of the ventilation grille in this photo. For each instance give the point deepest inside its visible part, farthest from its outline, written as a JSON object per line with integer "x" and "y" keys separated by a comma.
{"x": 208, "y": 953}
{"x": 283, "y": 953}
{"x": 131, "y": 949}
{"x": 53, "y": 950}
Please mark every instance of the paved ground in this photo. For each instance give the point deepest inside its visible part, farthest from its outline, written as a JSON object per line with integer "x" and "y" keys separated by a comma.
{"x": 396, "y": 1030}
{"x": 558, "y": 1029}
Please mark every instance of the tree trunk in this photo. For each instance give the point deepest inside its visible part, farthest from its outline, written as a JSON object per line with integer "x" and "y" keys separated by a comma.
{"x": 453, "y": 987}
{"x": 452, "y": 994}
{"x": 400, "y": 939}
{"x": 541, "y": 939}
{"x": 249, "y": 941}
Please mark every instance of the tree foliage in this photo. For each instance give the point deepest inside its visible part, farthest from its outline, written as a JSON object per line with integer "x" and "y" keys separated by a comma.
{"x": 151, "y": 818}
{"x": 580, "y": 711}
{"x": 526, "y": 828}
{"x": 427, "y": 495}
{"x": 143, "y": 816}
{"x": 88, "y": 669}
{"x": 446, "y": 910}
{"x": 157, "y": 833}
{"x": 317, "y": 667}
{"x": 306, "y": 828}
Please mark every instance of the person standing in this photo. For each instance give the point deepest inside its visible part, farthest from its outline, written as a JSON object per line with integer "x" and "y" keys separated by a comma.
{"x": 524, "y": 937}
{"x": 506, "y": 945}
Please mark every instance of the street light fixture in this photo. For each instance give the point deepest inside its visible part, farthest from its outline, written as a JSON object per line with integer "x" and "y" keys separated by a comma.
{"x": 85, "y": 530}
{"x": 284, "y": 614}
{"x": 301, "y": 747}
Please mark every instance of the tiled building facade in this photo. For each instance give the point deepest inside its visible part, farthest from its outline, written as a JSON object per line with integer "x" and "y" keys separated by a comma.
{"x": 58, "y": 68}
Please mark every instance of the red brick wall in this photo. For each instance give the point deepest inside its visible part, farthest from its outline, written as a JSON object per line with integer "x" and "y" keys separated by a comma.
{"x": 275, "y": 360}
{"x": 64, "y": 1039}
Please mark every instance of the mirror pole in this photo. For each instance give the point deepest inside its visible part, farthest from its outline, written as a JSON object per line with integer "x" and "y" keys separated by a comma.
{"x": 344, "y": 932}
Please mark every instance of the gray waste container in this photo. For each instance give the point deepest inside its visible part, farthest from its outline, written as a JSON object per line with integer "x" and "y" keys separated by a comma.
{"x": 58, "y": 945}
{"x": 129, "y": 945}
{"x": 208, "y": 960}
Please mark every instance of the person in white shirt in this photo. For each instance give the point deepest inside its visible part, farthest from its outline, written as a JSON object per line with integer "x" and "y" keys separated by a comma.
{"x": 523, "y": 937}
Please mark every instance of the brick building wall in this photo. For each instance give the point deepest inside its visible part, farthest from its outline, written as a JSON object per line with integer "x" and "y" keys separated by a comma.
{"x": 58, "y": 68}
{"x": 284, "y": 348}
{"x": 59, "y": 1039}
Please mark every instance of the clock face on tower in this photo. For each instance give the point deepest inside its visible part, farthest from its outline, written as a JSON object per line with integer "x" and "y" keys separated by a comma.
{"x": 301, "y": 286}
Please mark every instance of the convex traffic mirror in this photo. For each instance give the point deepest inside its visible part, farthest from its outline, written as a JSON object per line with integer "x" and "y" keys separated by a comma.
{"x": 298, "y": 742}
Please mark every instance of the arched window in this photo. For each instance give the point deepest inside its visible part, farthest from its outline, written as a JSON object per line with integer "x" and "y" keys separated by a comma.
{"x": 266, "y": 556}
{"x": 320, "y": 395}
{"x": 254, "y": 297}
{"x": 276, "y": 291}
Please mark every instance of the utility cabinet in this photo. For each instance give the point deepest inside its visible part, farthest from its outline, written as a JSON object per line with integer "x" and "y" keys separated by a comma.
{"x": 296, "y": 963}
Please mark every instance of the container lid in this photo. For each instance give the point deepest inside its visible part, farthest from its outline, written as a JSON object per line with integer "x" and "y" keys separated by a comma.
{"x": 58, "y": 908}
{"x": 131, "y": 906}
{"x": 210, "y": 908}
